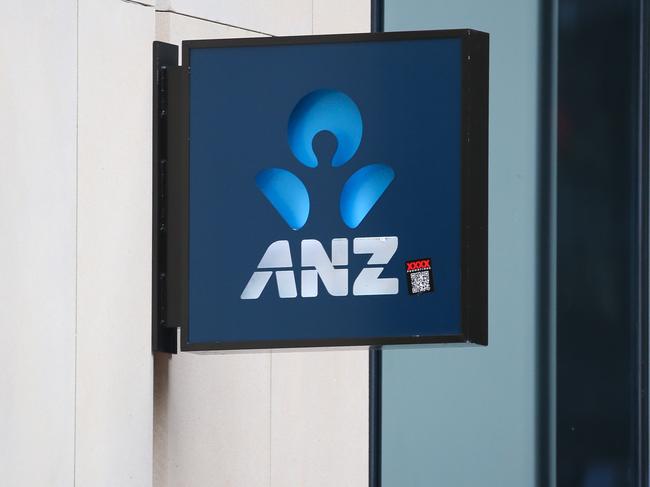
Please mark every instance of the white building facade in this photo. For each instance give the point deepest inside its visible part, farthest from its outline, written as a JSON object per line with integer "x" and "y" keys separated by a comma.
{"x": 84, "y": 401}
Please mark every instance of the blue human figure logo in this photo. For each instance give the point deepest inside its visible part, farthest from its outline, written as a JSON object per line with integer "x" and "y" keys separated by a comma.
{"x": 335, "y": 112}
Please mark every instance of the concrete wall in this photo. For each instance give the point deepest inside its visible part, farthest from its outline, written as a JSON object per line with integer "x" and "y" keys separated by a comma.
{"x": 263, "y": 418}
{"x": 114, "y": 366}
{"x": 77, "y": 375}
{"x": 38, "y": 119}
{"x": 279, "y": 17}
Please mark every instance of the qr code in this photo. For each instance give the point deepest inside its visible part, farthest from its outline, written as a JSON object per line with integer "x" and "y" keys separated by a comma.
{"x": 420, "y": 282}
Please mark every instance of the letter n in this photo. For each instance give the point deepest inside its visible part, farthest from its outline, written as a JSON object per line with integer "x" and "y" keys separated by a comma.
{"x": 335, "y": 280}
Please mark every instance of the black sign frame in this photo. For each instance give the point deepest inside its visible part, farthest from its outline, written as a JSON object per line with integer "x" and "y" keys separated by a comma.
{"x": 170, "y": 277}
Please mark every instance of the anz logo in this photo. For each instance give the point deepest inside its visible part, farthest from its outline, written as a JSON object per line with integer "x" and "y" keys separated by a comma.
{"x": 335, "y": 112}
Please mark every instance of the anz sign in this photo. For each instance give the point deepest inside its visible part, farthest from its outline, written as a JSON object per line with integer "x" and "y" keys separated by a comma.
{"x": 328, "y": 191}
{"x": 316, "y": 263}
{"x": 333, "y": 112}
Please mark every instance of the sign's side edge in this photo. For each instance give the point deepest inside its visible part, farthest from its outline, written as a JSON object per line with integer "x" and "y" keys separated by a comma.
{"x": 163, "y": 337}
{"x": 474, "y": 190}
{"x": 178, "y": 241}
{"x": 319, "y": 343}
{"x": 328, "y": 38}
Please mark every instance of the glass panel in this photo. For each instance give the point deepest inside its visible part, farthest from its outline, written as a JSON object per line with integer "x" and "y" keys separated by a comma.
{"x": 470, "y": 416}
{"x": 466, "y": 416}
{"x": 598, "y": 429}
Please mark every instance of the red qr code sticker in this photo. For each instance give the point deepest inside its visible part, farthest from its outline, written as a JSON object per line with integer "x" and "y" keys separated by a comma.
{"x": 419, "y": 276}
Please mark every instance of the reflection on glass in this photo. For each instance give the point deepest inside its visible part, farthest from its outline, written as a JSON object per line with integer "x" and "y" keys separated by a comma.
{"x": 597, "y": 427}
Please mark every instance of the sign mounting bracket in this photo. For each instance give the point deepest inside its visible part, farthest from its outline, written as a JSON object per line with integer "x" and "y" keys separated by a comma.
{"x": 163, "y": 330}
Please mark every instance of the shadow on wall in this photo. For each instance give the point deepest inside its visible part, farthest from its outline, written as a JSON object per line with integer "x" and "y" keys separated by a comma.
{"x": 160, "y": 395}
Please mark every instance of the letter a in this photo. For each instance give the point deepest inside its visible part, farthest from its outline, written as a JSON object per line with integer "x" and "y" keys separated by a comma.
{"x": 277, "y": 256}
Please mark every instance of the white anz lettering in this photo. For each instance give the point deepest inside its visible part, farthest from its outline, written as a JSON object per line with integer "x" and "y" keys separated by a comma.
{"x": 332, "y": 271}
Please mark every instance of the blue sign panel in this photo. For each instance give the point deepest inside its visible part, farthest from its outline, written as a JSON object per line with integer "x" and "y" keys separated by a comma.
{"x": 336, "y": 190}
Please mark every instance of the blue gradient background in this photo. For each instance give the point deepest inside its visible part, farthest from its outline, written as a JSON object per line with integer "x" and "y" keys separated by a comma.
{"x": 409, "y": 95}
